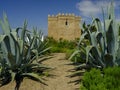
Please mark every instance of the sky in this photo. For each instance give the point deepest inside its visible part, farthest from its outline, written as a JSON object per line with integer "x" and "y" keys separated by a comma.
{"x": 36, "y": 11}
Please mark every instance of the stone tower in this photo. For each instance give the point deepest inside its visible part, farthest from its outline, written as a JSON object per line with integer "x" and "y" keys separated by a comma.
{"x": 64, "y": 26}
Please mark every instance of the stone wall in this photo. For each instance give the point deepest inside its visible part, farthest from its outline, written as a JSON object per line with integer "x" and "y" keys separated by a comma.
{"x": 64, "y": 26}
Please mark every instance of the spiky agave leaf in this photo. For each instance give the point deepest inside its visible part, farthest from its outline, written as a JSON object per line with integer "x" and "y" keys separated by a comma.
{"x": 34, "y": 76}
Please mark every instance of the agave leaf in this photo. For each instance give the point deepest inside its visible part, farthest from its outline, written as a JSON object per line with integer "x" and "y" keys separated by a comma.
{"x": 36, "y": 65}
{"x": 111, "y": 11}
{"x": 76, "y": 52}
{"x": 41, "y": 59}
{"x": 117, "y": 61}
{"x": 14, "y": 34}
{"x": 81, "y": 66}
{"x": 116, "y": 36}
{"x": 12, "y": 76}
{"x": 5, "y": 25}
{"x": 6, "y": 49}
{"x": 101, "y": 42}
{"x": 17, "y": 30}
{"x": 46, "y": 49}
{"x": 34, "y": 76}
{"x": 7, "y": 43}
{"x": 36, "y": 53}
{"x": 41, "y": 45}
{"x": 41, "y": 68}
{"x": 4, "y": 54}
{"x": 88, "y": 49}
{"x": 92, "y": 51}
{"x": 24, "y": 31}
{"x": 110, "y": 39}
{"x": 21, "y": 46}
{"x": 28, "y": 37}
{"x": 29, "y": 50}
{"x": 107, "y": 24}
{"x": 12, "y": 60}
{"x": 2, "y": 38}
{"x": 82, "y": 37}
{"x": 16, "y": 48}
{"x": 98, "y": 25}
{"x": 93, "y": 39}
{"x": 77, "y": 73}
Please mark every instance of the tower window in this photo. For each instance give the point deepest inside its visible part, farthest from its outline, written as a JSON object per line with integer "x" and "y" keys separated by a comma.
{"x": 66, "y": 23}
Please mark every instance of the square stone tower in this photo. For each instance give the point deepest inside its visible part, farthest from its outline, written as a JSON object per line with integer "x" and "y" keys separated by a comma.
{"x": 64, "y": 26}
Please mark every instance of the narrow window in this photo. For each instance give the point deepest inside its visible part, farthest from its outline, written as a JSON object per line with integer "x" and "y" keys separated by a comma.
{"x": 66, "y": 23}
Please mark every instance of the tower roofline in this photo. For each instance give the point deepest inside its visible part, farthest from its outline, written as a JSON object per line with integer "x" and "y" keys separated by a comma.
{"x": 63, "y": 14}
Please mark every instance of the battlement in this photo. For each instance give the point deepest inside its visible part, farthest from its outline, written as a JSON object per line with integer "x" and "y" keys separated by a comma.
{"x": 63, "y": 15}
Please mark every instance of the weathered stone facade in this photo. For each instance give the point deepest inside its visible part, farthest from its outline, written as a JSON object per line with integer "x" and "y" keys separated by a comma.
{"x": 64, "y": 26}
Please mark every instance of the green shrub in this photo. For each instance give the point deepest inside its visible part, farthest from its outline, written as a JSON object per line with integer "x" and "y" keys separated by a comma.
{"x": 60, "y": 46}
{"x": 108, "y": 79}
{"x": 112, "y": 78}
{"x": 69, "y": 52}
{"x": 56, "y": 49}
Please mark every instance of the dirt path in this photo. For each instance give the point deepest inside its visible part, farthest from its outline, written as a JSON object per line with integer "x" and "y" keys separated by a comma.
{"x": 57, "y": 82}
{"x": 60, "y": 80}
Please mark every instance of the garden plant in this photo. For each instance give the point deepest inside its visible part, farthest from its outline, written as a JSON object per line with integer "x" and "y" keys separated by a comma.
{"x": 99, "y": 44}
{"x": 19, "y": 53}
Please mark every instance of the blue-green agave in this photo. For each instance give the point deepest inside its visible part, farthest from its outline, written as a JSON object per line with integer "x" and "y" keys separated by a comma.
{"x": 16, "y": 58}
{"x": 103, "y": 42}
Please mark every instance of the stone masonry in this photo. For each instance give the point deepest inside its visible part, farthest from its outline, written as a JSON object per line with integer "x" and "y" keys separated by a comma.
{"x": 64, "y": 26}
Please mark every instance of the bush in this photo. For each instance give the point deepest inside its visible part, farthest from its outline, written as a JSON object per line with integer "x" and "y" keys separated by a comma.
{"x": 69, "y": 52}
{"x": 61, "y": 46}
{"x": 112, "y": 78}
{"x": 109, "y": 79}
{"x": 56, "y": 50}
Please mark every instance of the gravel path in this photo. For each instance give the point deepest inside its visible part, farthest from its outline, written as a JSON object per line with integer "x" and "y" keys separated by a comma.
{"x": 60, "y": 80}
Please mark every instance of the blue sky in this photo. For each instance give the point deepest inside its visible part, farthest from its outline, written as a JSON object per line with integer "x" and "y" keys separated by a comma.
{"x": 36, "y": 11}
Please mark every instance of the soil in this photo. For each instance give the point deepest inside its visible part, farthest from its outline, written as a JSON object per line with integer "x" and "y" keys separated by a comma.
{"x": 59, "y": 80}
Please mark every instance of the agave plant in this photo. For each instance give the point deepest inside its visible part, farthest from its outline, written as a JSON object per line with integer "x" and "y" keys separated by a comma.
{"x": 103, "y": 47}
{"x": 15, "y": 60}
{"x": 39, "y": 46}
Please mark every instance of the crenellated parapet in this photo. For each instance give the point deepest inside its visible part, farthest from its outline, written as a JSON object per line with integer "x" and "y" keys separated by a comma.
{"x": 63, "y": 15}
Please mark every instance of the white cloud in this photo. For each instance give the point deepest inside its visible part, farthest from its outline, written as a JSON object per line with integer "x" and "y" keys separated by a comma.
{"x": 89, "y": 7}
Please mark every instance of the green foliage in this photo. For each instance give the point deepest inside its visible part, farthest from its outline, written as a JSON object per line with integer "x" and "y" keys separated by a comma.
{"x": 108, "y": 79}
{"x": 68, "y": 53}
{"x": 92, "y": 80}
{"x": 112, "y": 77}
{"x": 19, "y": 53}
{"x": 61, "y": 46}
{"x": 99, "y": 44}
{"x": 102, "y": 48}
